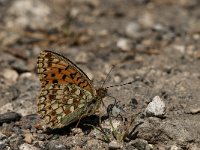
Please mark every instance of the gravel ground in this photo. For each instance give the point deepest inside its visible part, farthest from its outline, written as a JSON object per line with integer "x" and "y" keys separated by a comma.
{"x": 152, "y": 44}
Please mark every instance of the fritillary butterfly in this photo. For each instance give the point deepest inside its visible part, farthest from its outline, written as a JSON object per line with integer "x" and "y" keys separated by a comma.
{"x": 66, "y": 94}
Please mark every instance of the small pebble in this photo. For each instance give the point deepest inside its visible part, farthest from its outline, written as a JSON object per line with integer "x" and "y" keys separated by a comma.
{"x": 17, "y": 130}
{"x": 141, "y": 144}
{"x": 180, "y": 48}
{"x": 174, "y": 147}
{"x": 26, "y": 146}
{"x": 132, "y": 29}
{"x": 28, "y": 138}
{"x": 74, "y": 12}
{"x": 54, "y": 146}
{"x": 81, "y": 57}
{"x": 92, "y": 142}
{"x": 40, "y": 137}
{"x": 78, "y": 131}
{"x": 26, "y": 75}
{"x": 124, "y": 44}
{"x": 11, "y": 75}
{"x": 195, "y": 110}
{"x": 103, "y": 32}
{"x": 115, "y": 145}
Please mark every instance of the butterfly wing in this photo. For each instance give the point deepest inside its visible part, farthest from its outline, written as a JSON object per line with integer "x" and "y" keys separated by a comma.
{"x": 55, "y": 68}
{"x": 66, "y": 91}
{"x": 60, "y": 105}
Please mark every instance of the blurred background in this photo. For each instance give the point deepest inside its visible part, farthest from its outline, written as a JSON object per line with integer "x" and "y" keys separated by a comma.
{"x": 153, "y": 43}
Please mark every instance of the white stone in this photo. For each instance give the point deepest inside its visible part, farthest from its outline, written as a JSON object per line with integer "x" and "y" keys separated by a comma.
{"x": 26, "y": 75}
{"x": 156, "y": 107}
{"x": 11, "y": 75}
{"x": 124, "y": 44}
{"x": 174, "y": 147}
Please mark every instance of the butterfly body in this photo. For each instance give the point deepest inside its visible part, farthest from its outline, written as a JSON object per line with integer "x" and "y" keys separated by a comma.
{"x": 66, "y": 93}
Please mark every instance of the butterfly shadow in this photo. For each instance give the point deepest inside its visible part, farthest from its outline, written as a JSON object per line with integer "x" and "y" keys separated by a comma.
{"x": 86, "y": 124}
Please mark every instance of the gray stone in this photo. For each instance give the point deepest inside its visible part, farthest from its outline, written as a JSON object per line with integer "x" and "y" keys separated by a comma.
{"x": 132, "y": 29}
{"x": 26, "y": 146}
{"x": 3, "y": 141}
{"x": 9, "y": 117}
{"x": 115, "y": 145}
{"x": 56, "y": 146}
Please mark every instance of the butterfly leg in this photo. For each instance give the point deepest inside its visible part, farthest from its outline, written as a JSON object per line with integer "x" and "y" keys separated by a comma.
{"x": 79, "y": 121}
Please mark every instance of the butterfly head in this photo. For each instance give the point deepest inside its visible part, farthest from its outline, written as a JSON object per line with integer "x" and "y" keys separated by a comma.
{"x": 101, "y": 92}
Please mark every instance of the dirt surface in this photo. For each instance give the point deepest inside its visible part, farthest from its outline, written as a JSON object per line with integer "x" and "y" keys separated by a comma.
{"x": 154, "y": 45}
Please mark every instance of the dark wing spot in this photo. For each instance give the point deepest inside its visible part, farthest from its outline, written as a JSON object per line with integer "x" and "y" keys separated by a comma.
{"x": 72, "y": 75}
{"x": 64, "y": 77}
{"x": 44, "y": 75}
{"x": 49, "y": 64}
{"x": 52, "y": 97}
{"x": 81, "y": 82}
{"x": 85, "y": 85}
{"x": 78, "y": 78}
{"x": 53, "y": 113}
{"x": 67, "y": 67}
{"x": 84, "y": 82}
{"x": 54, "y": 91}
{"x": 53, "y": 75}
{"x": 81, "y": 94}
{"x": 73, "y": 91}
{"x": 59, "y": 70}
{"x": 55, "y": 81}
{"x": 44, "y": 83}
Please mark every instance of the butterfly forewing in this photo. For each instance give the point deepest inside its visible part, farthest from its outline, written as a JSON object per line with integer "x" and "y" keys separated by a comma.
{"x": 54, "y": 68}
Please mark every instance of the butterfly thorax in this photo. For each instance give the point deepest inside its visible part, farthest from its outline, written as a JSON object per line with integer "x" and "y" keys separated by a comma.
{"x": 96, "y": 101}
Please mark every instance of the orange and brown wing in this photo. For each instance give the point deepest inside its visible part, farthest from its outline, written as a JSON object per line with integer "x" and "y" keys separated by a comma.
{"x": 60, "y": 105}
{"x": 66, "y": 92}
{"x": 55, "y": 68}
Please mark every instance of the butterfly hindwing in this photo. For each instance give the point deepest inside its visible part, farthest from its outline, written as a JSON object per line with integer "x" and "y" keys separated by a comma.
{"x": 59, "y": 105}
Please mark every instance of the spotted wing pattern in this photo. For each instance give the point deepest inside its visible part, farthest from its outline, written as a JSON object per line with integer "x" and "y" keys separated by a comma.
{"x": 54, "y": 68}
{"x": 66, "y": 92}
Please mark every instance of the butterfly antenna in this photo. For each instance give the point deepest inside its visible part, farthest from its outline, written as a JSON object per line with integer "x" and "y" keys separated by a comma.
{"x": 126, "y": 83}
{"x": 107, "y": 76}
{"x": 119, "y": 84}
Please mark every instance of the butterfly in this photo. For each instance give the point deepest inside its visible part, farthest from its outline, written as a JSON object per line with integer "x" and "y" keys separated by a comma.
{"x": 66, "y": 94}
